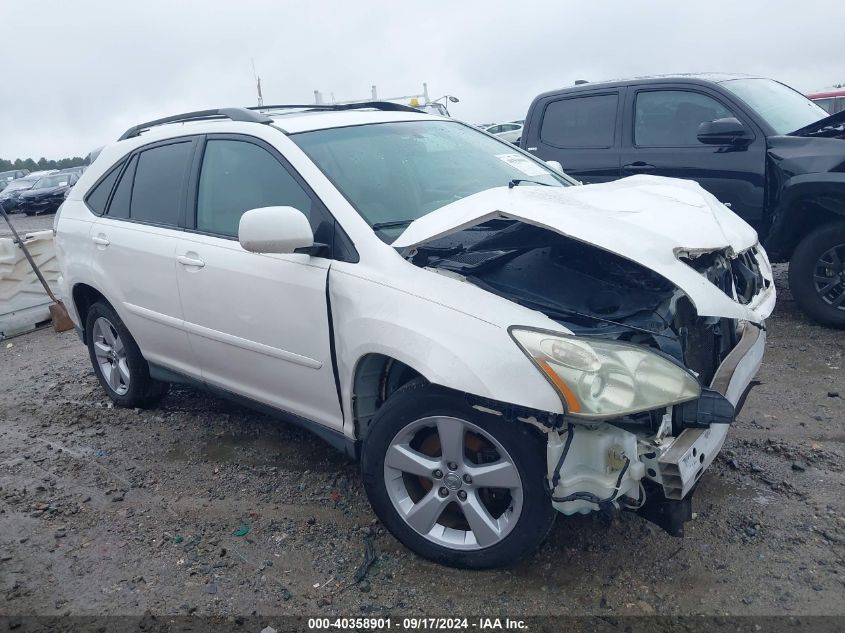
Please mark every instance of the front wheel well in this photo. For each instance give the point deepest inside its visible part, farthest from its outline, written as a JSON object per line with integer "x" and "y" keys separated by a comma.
{"x": 805, "y": 216}
{"x": 84, "y": 296}
{"x": 377, "y": 377}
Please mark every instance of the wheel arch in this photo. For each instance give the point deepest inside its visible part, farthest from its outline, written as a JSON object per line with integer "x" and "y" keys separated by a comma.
{"x": 807, "y": 202}
{"x": 84, "y": 296}
{"x": 378, "y": 376}
{"x": 375, "y": 377}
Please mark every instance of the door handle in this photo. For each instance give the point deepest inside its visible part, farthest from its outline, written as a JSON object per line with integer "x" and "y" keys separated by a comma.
{"x": 100, "y": 240}
{"x": 190, "y": 261}
{"x": 638, "y": 167}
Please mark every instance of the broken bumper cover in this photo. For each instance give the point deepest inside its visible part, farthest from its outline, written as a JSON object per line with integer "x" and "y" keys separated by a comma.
{"x": 681, "y": 463}
{"x": 590, "y": 467}
{"x": 45, "y": 204}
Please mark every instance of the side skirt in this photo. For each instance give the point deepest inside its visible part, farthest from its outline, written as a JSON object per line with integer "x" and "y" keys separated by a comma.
{"x": 335, "y": 438}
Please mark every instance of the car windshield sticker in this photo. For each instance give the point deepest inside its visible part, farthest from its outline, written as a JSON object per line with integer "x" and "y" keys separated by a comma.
{"x": 523, "y": 164}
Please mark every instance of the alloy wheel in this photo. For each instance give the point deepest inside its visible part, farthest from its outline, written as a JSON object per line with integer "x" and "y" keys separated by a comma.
{"x": 111, "y": 356}
{"x": 453, "y": 483}
{"x": 829, "y": 277}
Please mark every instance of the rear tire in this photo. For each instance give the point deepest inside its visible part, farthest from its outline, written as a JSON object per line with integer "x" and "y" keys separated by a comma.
{"x": 117, "y": 361}
{"x": 485, "y": 488}
{"x": 817, "y": 274}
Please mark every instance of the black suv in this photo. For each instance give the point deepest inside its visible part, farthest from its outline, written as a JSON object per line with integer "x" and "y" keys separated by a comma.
{"x": 766, "y": 151}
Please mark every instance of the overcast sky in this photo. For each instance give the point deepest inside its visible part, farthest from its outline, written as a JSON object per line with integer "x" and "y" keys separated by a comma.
{"x": 76, "y": 73}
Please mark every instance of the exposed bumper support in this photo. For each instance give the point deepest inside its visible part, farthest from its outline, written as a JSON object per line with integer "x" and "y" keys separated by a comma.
{"x": 590, "y": 467}
{"x": 685, "y": 459}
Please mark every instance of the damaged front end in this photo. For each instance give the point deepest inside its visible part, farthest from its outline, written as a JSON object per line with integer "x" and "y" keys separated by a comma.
{"x": 649, "y": 385}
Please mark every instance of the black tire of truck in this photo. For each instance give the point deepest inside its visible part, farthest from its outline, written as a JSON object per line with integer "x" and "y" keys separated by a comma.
{"x": 808, "y": 272}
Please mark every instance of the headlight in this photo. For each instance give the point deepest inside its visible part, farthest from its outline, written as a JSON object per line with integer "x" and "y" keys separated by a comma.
{"x": 605, "y": 379}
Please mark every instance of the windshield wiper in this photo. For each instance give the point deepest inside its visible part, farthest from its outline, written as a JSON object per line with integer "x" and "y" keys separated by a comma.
{"x": 517, "y": 181}
{"x": 395, "y": 224}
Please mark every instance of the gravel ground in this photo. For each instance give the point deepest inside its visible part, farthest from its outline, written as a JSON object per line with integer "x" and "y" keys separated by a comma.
{"x": 200, "y": 506}
{"x": 26, "y": 224}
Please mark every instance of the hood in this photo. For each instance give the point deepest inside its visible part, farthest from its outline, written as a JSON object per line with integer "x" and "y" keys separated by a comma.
{"x": 647, "y": 219}
{"x": 832, "y": 126}
{"x": 795, "y": 155}
{"x": 34, "y": 193}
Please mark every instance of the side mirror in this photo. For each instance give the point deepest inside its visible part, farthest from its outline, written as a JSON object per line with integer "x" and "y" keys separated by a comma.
{"x": 722, "y": 132}
{"x": 555, "y": 165}
{"x": 275, "y": 230}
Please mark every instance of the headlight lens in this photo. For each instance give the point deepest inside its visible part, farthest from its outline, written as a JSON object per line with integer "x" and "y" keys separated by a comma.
{"x": 604, "y": 379}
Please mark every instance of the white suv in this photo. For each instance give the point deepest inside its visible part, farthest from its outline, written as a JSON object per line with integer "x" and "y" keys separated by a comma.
{"x": 493, "y": 341}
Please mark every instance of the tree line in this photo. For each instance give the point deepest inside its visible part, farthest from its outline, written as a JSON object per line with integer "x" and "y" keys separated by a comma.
{"x": 41, "y": 164}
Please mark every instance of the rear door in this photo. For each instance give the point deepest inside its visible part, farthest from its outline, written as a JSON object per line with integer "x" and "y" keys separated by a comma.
{"x": 581, "y": 131}
{"x": 135, "y": 250}
{"x": 258, "y": 323}
{"x": 660, "y": 138}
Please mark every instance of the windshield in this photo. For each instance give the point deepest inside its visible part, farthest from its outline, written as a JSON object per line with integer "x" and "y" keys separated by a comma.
{"x": 60, "y": 180}
{"x": 16, "y": 185}
{"x": 784, "y": 109}
{"x": 394, "y": 173}
{"x": 7, "y": 175}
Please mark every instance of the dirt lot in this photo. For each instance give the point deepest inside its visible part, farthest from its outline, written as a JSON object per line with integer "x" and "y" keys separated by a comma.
{"x": 200, "y": 506}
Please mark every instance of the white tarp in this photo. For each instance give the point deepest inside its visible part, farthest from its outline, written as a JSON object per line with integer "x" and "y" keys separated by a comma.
{"x": 23, "y": 302}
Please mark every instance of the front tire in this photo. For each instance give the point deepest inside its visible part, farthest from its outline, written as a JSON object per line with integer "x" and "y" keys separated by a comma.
{"x": 457, "y": 486}
{"x": 117, "y": 361}
{"x": 817, "y": 274}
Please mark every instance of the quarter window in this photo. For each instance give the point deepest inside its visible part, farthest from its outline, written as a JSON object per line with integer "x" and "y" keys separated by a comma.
{"x": 580, "y": 122}
{"x": 238, "y": 176}
{"x": 119, "y": 207}
{"x": 99, "y": 196}
{"x": 159, "y": 178}
{"x": 670, "y": 118}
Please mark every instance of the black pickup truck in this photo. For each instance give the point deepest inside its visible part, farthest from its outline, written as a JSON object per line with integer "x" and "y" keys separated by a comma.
{"x": 763, "y": 149}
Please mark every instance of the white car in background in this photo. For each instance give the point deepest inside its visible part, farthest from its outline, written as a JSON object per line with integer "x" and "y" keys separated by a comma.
{"x": 510, "y": 132}
{"x": 494, "y": 342}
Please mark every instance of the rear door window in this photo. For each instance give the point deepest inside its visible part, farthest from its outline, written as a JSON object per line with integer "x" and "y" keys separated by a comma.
{"x": 159, "y": 183}
{"x": 670, "y": 118}
{"x": 588, "y": 121}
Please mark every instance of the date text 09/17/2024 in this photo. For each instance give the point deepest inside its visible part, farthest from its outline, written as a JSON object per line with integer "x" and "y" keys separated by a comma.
{"x": 418, "y": 624}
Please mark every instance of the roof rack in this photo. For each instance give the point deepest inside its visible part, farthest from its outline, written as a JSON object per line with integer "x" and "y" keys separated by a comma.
{"x": 234, "y": 114}
{"x": 387, "y": 106}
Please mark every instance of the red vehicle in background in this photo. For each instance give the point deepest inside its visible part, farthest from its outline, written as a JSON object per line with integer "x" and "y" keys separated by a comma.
{"x": 832, "y": 101}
